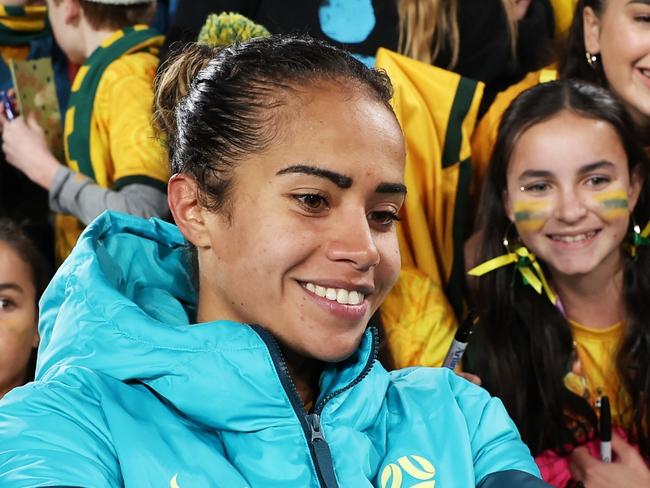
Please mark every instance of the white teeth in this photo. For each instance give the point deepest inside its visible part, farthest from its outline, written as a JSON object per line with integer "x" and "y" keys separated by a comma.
{"x": 576, "y": 238}
{"x": 340, "y": 295}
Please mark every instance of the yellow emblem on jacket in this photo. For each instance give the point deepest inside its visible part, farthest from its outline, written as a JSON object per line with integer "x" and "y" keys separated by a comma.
{"x": 420, "y": 471}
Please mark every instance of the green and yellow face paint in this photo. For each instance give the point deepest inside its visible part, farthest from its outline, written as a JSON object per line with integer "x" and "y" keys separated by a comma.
{"x": 613, "y": 204}
{"x": 531, "y": 215}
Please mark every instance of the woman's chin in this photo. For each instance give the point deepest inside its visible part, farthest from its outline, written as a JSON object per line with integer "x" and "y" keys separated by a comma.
{"x": 333, "y": 350}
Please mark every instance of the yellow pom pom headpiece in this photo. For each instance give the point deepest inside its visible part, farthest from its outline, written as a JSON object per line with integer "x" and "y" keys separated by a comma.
{"x": 228, "y": 27}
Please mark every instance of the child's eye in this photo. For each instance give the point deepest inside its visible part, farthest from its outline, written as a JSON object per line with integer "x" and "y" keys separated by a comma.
{"x": 597, "y": 180}
{"x": 312, "y": 202}
{"x": 536, "y": 187}
{"x": 384, "y": 218}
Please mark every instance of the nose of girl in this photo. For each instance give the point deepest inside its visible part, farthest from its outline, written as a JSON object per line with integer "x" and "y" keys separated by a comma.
{"x": 570, "y": 207}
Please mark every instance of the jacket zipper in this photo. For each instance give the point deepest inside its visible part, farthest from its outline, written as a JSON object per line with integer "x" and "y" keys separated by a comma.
{"x": 319, "y": 449}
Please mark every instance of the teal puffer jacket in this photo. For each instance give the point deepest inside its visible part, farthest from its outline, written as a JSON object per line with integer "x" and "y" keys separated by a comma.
{"x": 130, "y": 393}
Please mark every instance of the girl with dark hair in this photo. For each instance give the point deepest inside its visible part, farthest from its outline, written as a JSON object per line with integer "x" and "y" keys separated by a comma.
{"x": 153, "y": 370}
{"x": 23, "y": 276}
{"x": 564, "y": 285}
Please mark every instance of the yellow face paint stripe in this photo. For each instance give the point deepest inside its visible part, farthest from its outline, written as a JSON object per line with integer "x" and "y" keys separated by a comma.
{"x": 530, "y": 214}
{"x": 613, "y": 199}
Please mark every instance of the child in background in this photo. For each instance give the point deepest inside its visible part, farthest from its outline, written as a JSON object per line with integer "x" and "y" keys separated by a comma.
{"x": 23, "y": 277}
{"x": 564, "y": 285}
{"x": 113, "y": 160}
{"x": 25, "y": 34}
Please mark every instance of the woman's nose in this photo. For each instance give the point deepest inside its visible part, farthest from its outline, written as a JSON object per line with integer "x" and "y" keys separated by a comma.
{"x": 354, "y": 242}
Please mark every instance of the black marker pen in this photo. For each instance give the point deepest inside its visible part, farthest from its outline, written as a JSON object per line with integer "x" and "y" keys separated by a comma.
{"x": 605, "y": 430}
{"x": 459, "y": 344}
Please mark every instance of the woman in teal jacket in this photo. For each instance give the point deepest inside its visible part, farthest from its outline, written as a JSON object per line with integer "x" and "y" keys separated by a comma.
{"x": 288, "y": 167}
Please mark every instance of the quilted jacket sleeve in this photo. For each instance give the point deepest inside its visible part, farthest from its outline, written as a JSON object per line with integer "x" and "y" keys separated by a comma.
{"x": 501, "y": 459}
{"x": 54, "y": 435}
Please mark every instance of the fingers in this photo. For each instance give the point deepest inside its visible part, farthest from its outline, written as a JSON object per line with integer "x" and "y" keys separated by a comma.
{"x": 579, "y": 462}
{"x": 32, "y": 122}
{"x": 626, "y": 453}
{"x": 3, "y": 119}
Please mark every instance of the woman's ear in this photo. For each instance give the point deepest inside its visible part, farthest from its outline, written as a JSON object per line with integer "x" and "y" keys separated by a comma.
{"x": 36, "y": 340}
{"x": 591, "y": 28}
{"x": 188, "y": 213}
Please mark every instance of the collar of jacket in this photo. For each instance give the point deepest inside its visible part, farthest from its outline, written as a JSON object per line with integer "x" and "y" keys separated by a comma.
{"x": 122, "y": 305}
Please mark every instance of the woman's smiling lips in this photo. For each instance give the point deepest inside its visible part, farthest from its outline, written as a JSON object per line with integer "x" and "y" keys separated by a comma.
{"x": 345, "y": 300}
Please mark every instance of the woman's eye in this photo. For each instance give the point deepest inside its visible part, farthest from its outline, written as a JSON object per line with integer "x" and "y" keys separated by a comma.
{"x": 384, "y": 218}
{"x": 6, "y": 304}
{"x": 312, "y": 202}
{"x": 597, "y": 180}
{"x": 536, "y": 187}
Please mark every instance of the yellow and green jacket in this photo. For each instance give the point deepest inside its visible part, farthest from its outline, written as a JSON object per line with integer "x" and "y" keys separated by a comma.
{"x": 437, "y": 110}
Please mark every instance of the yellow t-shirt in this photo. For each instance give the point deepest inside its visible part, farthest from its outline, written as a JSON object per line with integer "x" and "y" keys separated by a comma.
{"x": 595, "y": 374}
{"x": 123, "y": 145}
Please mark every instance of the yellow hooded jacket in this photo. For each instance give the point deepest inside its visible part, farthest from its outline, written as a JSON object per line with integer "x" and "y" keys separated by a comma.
{"x": 437, "y": 110}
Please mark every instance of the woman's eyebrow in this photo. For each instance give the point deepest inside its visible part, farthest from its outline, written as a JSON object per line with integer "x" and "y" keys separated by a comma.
{"x": 535, "y": 173}
{"x": 588, "y": 168}
{"x": 340, "y": 180}
{"x": 391, "y": 188}
{"x": 10, "y": 286}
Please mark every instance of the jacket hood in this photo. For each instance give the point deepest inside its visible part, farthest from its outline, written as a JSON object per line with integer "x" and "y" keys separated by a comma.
{"x": 123, "y": 305}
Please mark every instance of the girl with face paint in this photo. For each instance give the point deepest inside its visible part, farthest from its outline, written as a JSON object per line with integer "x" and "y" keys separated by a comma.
{"x": 562, "y": 293}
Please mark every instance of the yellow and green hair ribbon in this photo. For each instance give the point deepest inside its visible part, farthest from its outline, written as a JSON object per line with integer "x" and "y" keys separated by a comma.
{"x": 527, "y": 265}
{"x": 641, "y": 238}
{"x": 223, "y": 29}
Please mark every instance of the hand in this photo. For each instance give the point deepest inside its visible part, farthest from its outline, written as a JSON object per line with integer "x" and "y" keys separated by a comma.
{"x": 470, "y": 377}
{"x": 25, "y": 148}
{"x": 629, "y": 469}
